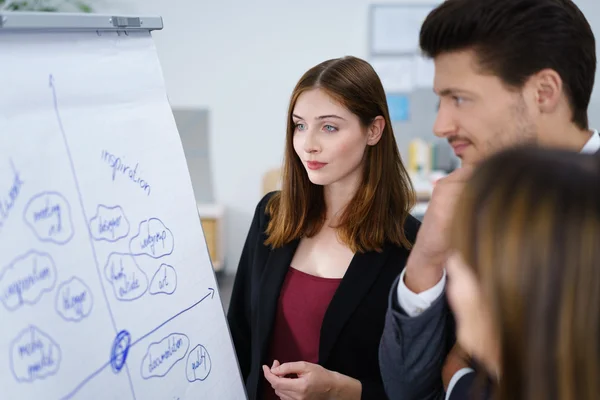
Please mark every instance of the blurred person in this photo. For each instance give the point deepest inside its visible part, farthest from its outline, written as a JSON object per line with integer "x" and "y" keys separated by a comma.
{"x": 310, "y": 294}
{"x": 524, "y": 278}
{"x": 507, "y": 72}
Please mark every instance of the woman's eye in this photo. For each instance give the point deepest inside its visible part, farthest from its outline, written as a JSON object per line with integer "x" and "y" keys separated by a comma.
{"x": 458, "y": 100}
{"x": 330, "y": 128}
{"x": 300, "y": 127}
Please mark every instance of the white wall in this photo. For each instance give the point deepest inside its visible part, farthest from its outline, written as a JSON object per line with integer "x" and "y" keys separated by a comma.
{"x": 241, "y": 60}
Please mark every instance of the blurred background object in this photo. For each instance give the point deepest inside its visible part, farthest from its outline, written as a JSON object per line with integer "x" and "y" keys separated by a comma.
{"x": 84, "y": 6}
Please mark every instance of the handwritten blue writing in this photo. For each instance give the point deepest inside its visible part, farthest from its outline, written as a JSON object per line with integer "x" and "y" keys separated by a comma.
{"x": 118, "y": 166}
{"x": 164, "y": 280}
{"x": 199, "y": 364}
{"x": 26, "y": 279}
{"x": 153, "y": 239}
{"x": 8, "y": 202}
{"x": 173, "y": 345}
{"x": 109, "y": 224}
{"x": 48, "y": 214}
{"x": 162, "y": 356}
{"x": 200, "y": 359}
{"x": 128, "y": 280}
{"x": 118, "y": 273}
{"x": 74, "y": 300}
{"x": 34, "y": 355}
{"x": 24, "y": 284}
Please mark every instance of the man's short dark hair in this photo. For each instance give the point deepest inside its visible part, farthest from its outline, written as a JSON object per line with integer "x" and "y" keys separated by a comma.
{"x": 514, "y": 39}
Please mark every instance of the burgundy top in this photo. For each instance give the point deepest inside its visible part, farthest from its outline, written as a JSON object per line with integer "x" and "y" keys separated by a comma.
{"x": 302, "y": 304}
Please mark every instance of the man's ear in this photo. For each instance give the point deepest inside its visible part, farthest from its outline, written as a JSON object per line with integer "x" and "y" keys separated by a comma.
{"x": 375, "y": 131}
{"x": 548, "y": 87}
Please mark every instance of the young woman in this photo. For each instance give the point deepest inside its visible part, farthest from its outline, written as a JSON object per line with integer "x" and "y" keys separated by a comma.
{"x": 525, "y": 280}
{"x": 310, "y": 295}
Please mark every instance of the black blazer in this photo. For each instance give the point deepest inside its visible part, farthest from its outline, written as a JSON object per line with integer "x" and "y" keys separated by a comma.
{"x": 352, "y": 326}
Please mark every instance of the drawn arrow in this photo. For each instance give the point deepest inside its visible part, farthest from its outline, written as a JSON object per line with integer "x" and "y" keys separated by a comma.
{"x": 122, "y": 347}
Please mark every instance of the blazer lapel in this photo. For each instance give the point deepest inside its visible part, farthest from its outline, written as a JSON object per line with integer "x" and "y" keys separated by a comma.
{"x": 274, "y": 274}
{"x": 362, "y": 273}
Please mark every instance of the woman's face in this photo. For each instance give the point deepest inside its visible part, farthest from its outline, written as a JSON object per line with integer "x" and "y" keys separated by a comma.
{"x": 329, "y": 139}
{"x": 474, "y": 321}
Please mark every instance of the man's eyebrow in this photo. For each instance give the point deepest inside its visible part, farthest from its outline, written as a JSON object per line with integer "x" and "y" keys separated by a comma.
{"x": 451, "y": 92}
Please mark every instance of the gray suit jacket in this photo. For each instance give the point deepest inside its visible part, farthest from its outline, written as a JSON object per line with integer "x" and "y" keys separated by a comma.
{"x": 413, "y": 350}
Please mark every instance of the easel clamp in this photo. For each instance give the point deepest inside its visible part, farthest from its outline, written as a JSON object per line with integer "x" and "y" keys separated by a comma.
{"x": 46, "y": 21}
{"x": 126, "y": 22}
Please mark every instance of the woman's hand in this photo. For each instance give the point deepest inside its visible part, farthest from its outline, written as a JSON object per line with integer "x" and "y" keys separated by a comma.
{"x": 311, "y": 382}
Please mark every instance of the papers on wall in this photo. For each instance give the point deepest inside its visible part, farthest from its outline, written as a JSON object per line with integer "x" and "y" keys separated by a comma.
{"x": 395, "y": 28}
{"x": 403, "y": 74}
{"x": 397, "y": 74}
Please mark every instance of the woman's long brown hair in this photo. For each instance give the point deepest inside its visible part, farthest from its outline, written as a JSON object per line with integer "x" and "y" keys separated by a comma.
{"x": 385, "y": 197}
{"x": 528, "y": 224}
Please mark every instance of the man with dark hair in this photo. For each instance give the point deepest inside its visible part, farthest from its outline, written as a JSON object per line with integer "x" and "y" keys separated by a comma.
{"x": 507, "y": 72}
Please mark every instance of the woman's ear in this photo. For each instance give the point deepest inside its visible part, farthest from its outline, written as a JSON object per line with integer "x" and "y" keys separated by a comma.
{"x": 375, "y": 131}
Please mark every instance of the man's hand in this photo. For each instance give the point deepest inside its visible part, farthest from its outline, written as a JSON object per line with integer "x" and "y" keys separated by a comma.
{"x": 427, "y": 259}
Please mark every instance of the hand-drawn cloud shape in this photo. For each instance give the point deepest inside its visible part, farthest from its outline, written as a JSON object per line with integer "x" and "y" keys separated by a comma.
{"x": 198, "y": 364}
{"x": 109, "y": 224}
{"x": 34, "y": 355}
{"x": 128, "y": 280}
{"x": 74, "y": 300}
{"x": 48, "y": 214}
{"x": 153, "y": 239}
{"x": 164, "y": 280}
{"x": 162, "y": 356}
{"x": 26, "y": 279}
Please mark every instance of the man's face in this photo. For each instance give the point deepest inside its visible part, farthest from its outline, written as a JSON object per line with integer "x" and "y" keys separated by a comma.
{"x": 477, "y": 114}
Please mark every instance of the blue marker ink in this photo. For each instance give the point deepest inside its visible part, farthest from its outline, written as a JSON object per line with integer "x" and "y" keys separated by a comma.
{"x": 7, "y": 202}
{"x": 128, "y": 280}
{"x": 162, "y": 356}
{"x": 26, "y": 279}
{"x": 74, "y": 300}
{"x": 49, "y": 216}
{"x": 123, "y": 343}
{"x": 153, "y": 239}
{"x": 34, "y": 355}
{"x": 109, "y": 224}
{"x": 164, "y": 280}
{"x": 52, "y": 86}
{"x": 119, "y": 351}
{"x": 118, "y": 166}
{"x": 198, "y": 365}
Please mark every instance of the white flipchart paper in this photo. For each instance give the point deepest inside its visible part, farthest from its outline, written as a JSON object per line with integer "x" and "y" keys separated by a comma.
{"x": 106, "y": 285}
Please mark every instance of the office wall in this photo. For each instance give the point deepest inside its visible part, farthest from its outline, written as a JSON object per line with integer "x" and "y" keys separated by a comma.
{"x": 240, "y": 60}
{"x": 591, "y": 9}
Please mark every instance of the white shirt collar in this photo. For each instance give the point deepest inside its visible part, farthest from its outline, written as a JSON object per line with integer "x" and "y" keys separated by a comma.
{"x": 592, "y": 145}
